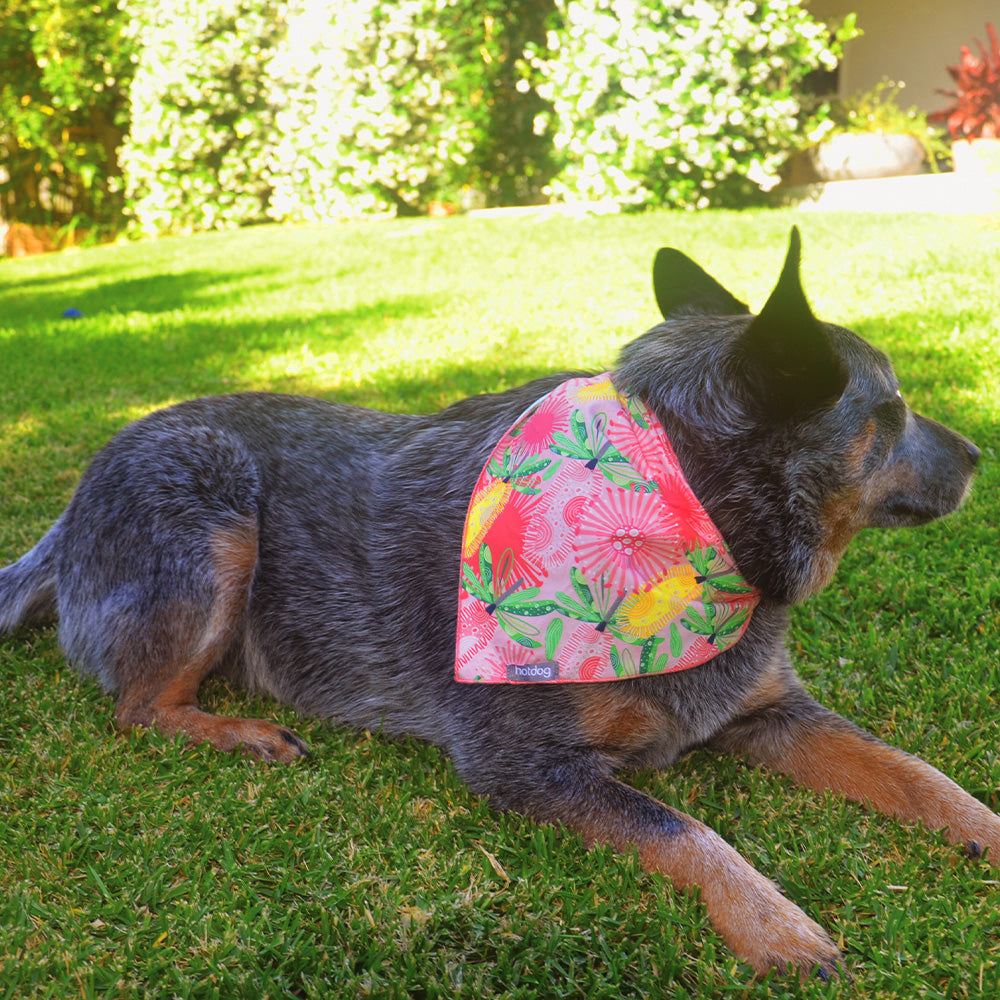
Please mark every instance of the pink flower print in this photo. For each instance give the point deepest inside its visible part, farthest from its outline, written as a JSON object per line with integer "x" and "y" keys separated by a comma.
{"x": 574, "y": 509}
{"x": 550, "y": 533}
{"x": 697, "y": 650}
{"x": 549, "y": 539}
{"x": 585, "y": 653}
{"x": 497, "y": 660}
{"x": 691, "y": 522}
{"x": 506, "y": 537}
{"x": 475, "y": 630}
{"x": 622, "y": 541}
{"x": 534, "y": 433}
{"x": 643, "y": 445}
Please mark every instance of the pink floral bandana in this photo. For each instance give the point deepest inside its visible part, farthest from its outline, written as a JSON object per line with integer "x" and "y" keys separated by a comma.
{"x": 585, "y": 555}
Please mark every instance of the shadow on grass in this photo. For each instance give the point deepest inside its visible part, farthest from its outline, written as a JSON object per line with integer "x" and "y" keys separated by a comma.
{"x": 108, "y": 362}
{"x": 42, "y": 298}
{"x": 81, "y": 389}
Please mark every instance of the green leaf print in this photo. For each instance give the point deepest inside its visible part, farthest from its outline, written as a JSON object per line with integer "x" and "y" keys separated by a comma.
{"x": 552, "y": 636}
{"x": 526, "y": 607}
{"x": 590, "y": 444}
{"x": 676, "y": 642}
{"x": 647, "y": 661}
{"x": 486, "y": 565}
{"x": 509, "y": 605}
{"x": 519, "y": 477}
{"x": 624, "y": 664}
{"x": 715, "y": 573}
{"x": 720, "y": 628}
{"x": 596, "y": 608}
{"x": 637, "y": 410}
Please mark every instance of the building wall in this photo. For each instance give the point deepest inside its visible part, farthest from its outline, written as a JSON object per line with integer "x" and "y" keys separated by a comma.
{"x": 908, "y": 41}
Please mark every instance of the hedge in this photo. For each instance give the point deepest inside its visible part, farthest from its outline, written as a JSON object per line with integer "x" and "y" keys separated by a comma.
{"x": 204, "y": 114}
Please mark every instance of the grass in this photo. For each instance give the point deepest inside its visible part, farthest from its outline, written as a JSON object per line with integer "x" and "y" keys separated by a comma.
{"x": 130, "y": 863}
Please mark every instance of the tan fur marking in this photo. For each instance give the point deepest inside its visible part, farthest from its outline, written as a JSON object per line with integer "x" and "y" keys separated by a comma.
{"x": 757, "y": 922}
{"x": 848, "y": 511}
{"x": 889, "y": 781}
{"x": 860, "y": 449}
{"x": 842, "y": 518}
{"x": 773, "y": 684}
{"x": 172, "y": 706}
{"x": 234, "y": 558}
{"x": 616, "y": 720}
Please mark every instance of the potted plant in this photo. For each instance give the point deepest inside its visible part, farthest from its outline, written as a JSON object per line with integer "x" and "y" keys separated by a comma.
{"x": 870, "y": 135}
{"x": 973, "y": 119}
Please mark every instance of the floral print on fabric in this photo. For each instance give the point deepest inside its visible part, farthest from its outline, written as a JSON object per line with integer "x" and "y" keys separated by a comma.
{"x": 586, "y": 556}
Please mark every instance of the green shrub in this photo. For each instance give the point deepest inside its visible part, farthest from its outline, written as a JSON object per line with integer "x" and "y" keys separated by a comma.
{"x": 64, "y": 72}
{"x": 317, "y": 109}
{"x": 242, "y": 110}
{"x": 367, "y": 123}
{"x": 677, "y": 103}
{"x": 204, "y": 112}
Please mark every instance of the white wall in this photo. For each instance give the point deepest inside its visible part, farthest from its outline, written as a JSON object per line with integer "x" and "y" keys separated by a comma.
{"x": 909, "y": 41}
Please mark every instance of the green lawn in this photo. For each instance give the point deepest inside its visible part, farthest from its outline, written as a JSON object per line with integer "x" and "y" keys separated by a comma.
{"x": 132, "y": 865}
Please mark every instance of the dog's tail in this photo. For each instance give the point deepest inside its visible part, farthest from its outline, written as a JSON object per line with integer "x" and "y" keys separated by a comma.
{"x": 28, "y": 587}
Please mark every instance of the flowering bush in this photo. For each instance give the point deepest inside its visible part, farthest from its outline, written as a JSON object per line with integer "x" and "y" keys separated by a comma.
{"x": 319, "y": 109}
{"x": 368, "y": 123}
{"x": 204, "y": 112}
{"x": 678, "y": 103}
{"x": 64, "y": 72}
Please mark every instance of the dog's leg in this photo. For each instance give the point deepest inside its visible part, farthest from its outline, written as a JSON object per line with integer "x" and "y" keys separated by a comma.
{"x": 821, "y": 750}
{"x": 157, "y": 556}
{"x": 756, "y": 921}
{"x": 164, "y": 694}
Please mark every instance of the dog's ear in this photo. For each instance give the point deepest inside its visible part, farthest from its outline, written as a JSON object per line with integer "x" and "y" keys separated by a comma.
{"x": 786, "y": 352}
{"x": 681, "y": 286}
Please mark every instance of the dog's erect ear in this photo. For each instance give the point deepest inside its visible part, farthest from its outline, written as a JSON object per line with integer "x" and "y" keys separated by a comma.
{"x": 786, "y": 352}
{"x": 681, "y": 286}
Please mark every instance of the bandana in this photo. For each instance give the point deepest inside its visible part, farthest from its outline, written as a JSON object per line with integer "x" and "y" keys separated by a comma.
{"x": 586, "y": 556}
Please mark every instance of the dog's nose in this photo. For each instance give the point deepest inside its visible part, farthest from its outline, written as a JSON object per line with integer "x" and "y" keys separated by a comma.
{"x": 974, "y": 453}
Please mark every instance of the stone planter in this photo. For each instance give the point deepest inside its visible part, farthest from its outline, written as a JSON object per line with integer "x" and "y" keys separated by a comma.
{"x": 978, "y": 158}
{"x": 861, "y": 155}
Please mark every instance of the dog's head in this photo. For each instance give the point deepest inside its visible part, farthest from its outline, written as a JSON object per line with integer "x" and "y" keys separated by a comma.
{"x": 792, "y": 432}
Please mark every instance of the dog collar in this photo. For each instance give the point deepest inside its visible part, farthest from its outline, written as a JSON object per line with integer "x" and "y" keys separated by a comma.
{"x": 585, "y": 554}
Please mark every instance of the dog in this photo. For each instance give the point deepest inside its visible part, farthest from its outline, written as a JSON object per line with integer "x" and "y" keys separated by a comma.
{"x": 311, "y": 550}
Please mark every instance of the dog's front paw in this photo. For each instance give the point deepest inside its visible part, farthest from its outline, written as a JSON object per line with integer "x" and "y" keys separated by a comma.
{"x": 971, "y": 825}
{"x": 765, "y": 929}
{"x": 788, "y": 939}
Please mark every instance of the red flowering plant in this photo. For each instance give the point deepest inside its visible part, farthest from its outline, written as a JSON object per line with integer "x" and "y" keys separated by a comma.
{"x": 976, "y": 111}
